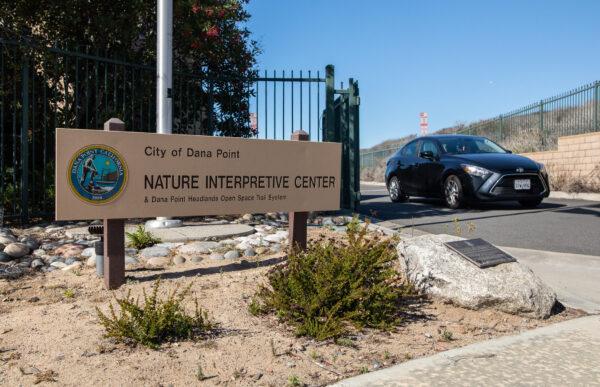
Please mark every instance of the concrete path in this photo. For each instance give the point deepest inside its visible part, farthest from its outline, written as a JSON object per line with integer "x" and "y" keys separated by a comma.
{"x": 563, "y": 354}
{"x": 185, "y": 233}
{"x": 574, "y": 277}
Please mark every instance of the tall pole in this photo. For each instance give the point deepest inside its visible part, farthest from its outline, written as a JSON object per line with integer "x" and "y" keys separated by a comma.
{"x": 164, "y": 68}
{"x": 164, "y": 86}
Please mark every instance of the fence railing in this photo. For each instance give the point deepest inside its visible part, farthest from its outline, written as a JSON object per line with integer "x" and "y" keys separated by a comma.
{"x": 532, "y": 128}
{"x": 42, "y": 88}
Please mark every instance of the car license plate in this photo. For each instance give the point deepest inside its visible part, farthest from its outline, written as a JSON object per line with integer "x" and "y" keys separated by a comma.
{"x": 522, "y": 184}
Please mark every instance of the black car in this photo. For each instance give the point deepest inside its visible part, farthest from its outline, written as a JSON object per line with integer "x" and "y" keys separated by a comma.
{"x": 463, "y": 169}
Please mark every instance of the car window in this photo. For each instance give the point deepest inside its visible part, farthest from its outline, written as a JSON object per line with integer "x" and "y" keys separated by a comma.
{"x": 410, "y": 149}
{"x": 429, "y": 146}
{"x": 466, "y": 145}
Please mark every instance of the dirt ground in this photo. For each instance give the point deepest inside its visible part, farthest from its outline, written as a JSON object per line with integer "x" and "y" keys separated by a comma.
{"x": 49, "y": 330}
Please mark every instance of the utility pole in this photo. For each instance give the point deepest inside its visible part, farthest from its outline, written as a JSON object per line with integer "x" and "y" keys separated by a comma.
{"x": 164, "y": 86}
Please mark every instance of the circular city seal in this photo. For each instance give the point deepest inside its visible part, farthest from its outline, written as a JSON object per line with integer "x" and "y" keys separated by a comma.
{"x": 97, "y": 174}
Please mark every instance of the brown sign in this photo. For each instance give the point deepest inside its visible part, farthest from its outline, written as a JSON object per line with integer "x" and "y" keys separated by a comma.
{"x": 104, "y": 175}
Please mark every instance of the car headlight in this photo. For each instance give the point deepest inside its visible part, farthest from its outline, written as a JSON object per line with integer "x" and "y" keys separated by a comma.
{"x": 543, "y": 169}
{"x": 475, "y": 170}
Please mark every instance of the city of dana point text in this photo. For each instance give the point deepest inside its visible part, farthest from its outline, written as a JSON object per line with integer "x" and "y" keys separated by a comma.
{"x": 157, "y": 182}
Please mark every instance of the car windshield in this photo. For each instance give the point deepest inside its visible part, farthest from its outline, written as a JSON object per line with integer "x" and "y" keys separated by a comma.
{"x": 464, "y": 145}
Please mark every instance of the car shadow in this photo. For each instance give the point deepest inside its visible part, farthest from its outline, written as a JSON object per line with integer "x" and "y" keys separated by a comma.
{"x": 419, "y": 208}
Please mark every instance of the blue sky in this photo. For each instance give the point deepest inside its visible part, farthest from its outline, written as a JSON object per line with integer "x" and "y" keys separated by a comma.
{"x": 459, "y": 61}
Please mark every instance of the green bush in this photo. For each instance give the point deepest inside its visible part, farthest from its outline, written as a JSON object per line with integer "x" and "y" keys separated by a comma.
{"x": 140, "y": 238}
{"x": 335, "y": 285}
{"x": 156, "y": 321}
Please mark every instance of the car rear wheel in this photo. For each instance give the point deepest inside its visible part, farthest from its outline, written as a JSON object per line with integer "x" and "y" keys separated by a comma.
{"x": 395, "y": 190}
{"x": 531, "y": 203}
{"x": 453, "y": 192}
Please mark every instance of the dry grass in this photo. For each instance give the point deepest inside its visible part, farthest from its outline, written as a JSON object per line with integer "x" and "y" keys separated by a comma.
{"x": 561, "y": 180}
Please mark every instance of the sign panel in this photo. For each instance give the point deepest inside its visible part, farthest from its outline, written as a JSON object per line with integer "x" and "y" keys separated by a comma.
{"x": 480, "y": 252}
{"x": 102, "y": 174}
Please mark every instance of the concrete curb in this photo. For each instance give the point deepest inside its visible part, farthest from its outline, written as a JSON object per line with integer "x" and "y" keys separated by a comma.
{"x": 595, "y": 197}
{"x": 397, "y": 372}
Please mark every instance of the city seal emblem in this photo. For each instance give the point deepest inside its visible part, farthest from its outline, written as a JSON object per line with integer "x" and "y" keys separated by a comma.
{"x": 97, "y": 174}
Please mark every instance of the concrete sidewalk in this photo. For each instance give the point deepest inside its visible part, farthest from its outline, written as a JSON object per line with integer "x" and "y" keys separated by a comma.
{"x": 567, "y": 353}
{"x": 574, "y": 277}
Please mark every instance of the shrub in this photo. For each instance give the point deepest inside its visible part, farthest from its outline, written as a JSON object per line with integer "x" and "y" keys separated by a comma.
{"x": 156, "y": 321}
{"x": 141, "y": 238}
{"x": 333, "y": 286}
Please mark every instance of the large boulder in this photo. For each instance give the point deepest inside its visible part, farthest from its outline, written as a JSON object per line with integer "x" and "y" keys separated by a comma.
{"x": 436, "y": 270}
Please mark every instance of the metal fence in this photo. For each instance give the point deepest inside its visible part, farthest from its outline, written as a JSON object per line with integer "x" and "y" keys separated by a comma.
{"x": 532, "y": 128}
{"x": 42, "y": 88}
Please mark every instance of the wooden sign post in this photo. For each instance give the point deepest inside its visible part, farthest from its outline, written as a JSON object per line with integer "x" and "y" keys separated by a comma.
{"x": 114, "y": 235}
{"x": 297, "y": 220}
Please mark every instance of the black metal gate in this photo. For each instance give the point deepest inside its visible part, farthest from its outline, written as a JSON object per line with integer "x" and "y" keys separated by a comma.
{"x": 42, "y": 88}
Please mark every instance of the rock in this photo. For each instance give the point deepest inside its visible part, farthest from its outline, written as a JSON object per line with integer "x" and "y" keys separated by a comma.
{"x": 70, "y": 250}
{"x": 53, "y": 258}
{"x": 261, "y": 250}
{"x": 48, "y": 246}
{"x": 169, "y": 245}
{"x": 73, "y": 266}
{"x": 70, "y": 261}
{"x": 226, "y": 242}
{"x": 91, "y": 261}
{"x": 342, "y": 220}
{"x": 248, "y": 217}
{"x": 178, "y": 260}
{"x": 196, "y": 259}
{"x": 129, "y": 260}
{"x": 276, "y": 248}
{"x": 158, "y": 261}
{"x": 58, "y": 264}
{"x": 11, "y": 272}
{"x": 6, "y": 239}
{"x": 154, "y": 252}
{"x": 52, "y": 230}
{"x": 16, "y": 249}
{"x": 436, "y": 270}
{"x": 327, "y": 222}
{"x": 39, "y": 253}
{"x": 32, "y": 243}
{"x": 232, "y": 254}
{"x": 5, "y": 257}
{"x": 275, "y": 238}
{"x": 249, "y": 252}
{"x": 243, "y": 245}
{"x": 130, "y": 251}
{"x": 195, "y": 248}
{"x": 217, "y": 256}
{"x": 89, "y": 252}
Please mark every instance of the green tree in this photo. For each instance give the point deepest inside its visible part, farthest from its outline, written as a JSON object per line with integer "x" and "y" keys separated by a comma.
{"x": 209, "y": 38}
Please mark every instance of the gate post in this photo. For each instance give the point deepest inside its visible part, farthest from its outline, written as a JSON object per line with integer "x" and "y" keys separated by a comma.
{"x": 329, "y": 127}
{"x": 114, "y": 235}
{"x": 353, "y": 183}
{"x": 25, "y": 140}
{"x": 297, "y": 220}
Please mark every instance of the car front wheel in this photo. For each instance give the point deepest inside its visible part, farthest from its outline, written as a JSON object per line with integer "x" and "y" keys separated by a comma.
{"x": 395, "y": 191}
{"x": 453, "y": 192}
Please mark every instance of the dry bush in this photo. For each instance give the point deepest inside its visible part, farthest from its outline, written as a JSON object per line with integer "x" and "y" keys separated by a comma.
{"x": 561, "y": 180}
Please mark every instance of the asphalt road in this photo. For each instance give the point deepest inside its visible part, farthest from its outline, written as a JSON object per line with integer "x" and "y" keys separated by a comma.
{"x": 569, "y": 226}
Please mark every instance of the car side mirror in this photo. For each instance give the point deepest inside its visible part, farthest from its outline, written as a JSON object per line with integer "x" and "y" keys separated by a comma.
{"x": 427, "y": 155}
{"x": 508, "y": 151}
